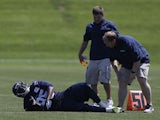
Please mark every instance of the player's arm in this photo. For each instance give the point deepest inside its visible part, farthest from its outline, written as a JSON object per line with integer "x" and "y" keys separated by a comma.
{"x": 86, "y": 38}
{"x": 135, "y": 56}
{"x": 82, "y": 49}
{"x": 32, "y": 105}
{"x": 50, "y": 93}
{"x": 49, "y": 87}
{"x": 115, "y": 66}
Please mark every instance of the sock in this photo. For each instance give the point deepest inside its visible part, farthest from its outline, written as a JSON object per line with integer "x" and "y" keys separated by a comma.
{"x": 101, "y": 104}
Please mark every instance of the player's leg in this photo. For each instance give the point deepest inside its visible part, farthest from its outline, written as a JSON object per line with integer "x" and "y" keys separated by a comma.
{"x": 92, "y": 75}
{"x": 104, "y": 77}
{"x": 142, "y": 77}
{"x": 123, "y": 80}
{"x": 71, "y": 105}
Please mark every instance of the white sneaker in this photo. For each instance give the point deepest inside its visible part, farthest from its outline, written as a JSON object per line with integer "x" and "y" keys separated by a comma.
{"x": 109, "y": 103}
{"x": 148, "y": 109}
{"x": 95, "y": 104}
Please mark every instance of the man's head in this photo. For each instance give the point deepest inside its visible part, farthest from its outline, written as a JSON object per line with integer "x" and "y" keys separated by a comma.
{"x": 109, "y": 39}
{"x": 98, "y": 13}
{"x": 20, "y": 89}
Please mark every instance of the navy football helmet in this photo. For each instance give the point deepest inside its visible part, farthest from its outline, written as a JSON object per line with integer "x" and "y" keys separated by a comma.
{"x": 20, "y": 89}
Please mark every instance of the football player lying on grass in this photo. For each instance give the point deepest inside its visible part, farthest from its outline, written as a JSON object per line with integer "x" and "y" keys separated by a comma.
{"x": 41, "y": 96}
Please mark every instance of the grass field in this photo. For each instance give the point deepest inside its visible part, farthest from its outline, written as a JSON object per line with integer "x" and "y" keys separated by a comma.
{"x": 61, "y": 74}
{"x": 39, "y": 39}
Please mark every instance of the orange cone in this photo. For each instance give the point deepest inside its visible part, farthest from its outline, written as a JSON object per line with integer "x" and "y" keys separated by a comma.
{"x": 136, "y": 100}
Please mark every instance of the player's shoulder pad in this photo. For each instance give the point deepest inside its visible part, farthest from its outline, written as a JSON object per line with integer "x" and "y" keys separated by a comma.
{"x": 35, "y": 82}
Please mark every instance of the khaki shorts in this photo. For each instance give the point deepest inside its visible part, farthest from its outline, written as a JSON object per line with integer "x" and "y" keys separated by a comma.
{"x": 142, "y": 72}
{"x": 98, "y": 70}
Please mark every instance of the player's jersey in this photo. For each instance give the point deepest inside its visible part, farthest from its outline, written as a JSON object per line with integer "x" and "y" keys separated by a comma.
{"x": 39, "y": 91}
{"x": 71, "y": 99}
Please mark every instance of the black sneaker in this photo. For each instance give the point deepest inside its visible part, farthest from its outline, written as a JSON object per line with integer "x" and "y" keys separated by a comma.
{"x": 148, "y": 108}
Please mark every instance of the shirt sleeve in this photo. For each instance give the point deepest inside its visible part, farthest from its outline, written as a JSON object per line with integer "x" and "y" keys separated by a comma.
{"x": 42, "y": 84}
{"x": 87, "y": 34}
{"x": 113, "y": 27}
{"x": 135, "y": 56}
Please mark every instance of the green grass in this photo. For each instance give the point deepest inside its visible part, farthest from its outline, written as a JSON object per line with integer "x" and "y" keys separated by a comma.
{"x": 47, "y": 28}
{"x": 40, "y": 39}
{"x": 62, "y": 74}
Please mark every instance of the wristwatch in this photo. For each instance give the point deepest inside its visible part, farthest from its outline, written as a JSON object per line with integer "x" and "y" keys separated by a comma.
{"x": 133, "y": 71}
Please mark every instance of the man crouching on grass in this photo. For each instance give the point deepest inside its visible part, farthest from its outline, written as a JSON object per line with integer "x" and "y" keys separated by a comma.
{"x": 41, "y": 96}
{"x": 134, "y": 60}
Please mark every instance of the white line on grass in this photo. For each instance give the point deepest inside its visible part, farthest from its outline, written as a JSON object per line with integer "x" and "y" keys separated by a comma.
{"x": 38, "y": 60}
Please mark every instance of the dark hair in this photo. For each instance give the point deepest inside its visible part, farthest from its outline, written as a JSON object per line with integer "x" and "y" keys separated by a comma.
{"x": 97, "y": 10}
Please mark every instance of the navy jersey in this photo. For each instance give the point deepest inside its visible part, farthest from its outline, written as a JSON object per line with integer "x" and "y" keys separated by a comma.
{"x": 39, "y": 91}
{"x": 71, "y": 99}
{"x": 95, "y": 32}
{"x": 128, "y": 50}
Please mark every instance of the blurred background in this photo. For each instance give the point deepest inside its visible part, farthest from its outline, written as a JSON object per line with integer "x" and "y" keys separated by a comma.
{"x": 53, "y": 29}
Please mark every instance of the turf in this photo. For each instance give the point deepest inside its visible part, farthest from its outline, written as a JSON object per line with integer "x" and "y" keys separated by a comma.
{"x": 62, "y": 75}
{"x": 40, "y": 39}
{"x": 47, "y": 28}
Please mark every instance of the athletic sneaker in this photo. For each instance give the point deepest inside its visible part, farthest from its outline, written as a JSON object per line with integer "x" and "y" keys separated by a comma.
{"x": 118, "y": 110}
{"x": 109, "y": 103}
{"x": 114, "y": 110}
{"x": 148, "y": 108}
{"x": 95, "y": 104}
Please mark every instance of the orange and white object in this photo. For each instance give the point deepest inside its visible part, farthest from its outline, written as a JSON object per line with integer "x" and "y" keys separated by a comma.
{"x": 136, "y": 100}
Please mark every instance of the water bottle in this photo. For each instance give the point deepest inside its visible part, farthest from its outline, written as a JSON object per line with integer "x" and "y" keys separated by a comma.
{"x": 84, "y": 62}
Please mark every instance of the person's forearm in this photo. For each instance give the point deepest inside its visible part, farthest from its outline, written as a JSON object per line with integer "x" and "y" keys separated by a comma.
{"x": 115, "y": 66}
{"x": 50, "y": 92}
{"x": 135, "y": 66}
{"x": 83, "y": 47}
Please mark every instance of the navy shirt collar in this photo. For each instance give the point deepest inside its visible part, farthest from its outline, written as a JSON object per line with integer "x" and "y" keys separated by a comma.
{"x": 101, "y": 23}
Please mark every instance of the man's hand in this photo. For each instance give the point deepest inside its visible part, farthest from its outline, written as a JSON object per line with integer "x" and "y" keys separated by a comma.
{"x": 32, "y": 101}
{"x": 81, "y": 58}
{"x": 115, "y": 67}
{"x": 82, "y": 49}
{"x": 48, "y": 104}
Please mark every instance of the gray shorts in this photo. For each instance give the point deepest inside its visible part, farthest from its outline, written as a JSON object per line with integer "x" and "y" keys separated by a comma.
{"x": 98, "y": 70}
{"x": 142, "y": 72}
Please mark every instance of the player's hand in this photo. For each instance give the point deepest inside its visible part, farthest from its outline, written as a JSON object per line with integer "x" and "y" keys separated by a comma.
{"x": 48, "y": 104}
{"x": 32, "y": 101}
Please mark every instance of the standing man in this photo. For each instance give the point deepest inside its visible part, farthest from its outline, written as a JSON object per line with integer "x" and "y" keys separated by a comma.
{"x": 134, "y": 60}
{"x": 99, "y": 68}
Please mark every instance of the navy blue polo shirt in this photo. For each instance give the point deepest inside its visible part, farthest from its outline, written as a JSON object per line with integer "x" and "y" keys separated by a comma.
{"x": 95, "y": 32}
{"x": 128, "y": 50}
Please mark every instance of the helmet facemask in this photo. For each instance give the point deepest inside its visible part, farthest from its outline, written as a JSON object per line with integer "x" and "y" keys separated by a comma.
{"x": 21, "y": 89}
